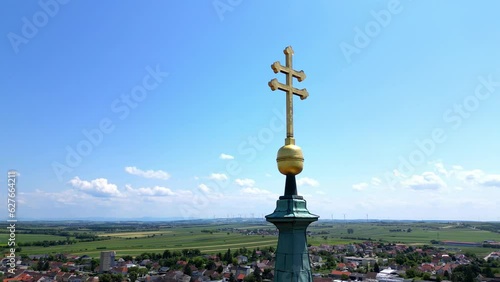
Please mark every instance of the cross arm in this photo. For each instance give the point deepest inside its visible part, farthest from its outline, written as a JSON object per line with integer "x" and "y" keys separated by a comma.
{"x": 274, "y": 84}
{"x": 277, "y": 67}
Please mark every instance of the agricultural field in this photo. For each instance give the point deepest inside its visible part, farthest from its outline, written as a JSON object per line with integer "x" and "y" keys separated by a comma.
{"x": 212, "y": 236}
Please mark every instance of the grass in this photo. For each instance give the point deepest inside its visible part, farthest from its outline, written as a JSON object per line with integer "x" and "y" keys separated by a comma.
{"x": 212, "y": 238}
{"x": 138, "y": 234}
{"x": 32, "y": 237}
{"x": 172, "y": 240}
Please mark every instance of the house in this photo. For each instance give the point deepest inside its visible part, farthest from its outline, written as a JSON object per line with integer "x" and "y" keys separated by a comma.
{"x": 442, "y": 269}
{"x": 388, "y": 275}
{"x": 337, "y": 274}
{"x": 240, "y": 277}
{"x": 360, "y": 260}
{"x": 426, "y": 267}
{"x": 242, "y": 259}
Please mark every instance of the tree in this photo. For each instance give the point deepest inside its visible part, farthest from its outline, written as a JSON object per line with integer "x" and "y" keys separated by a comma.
{"x": 210, "y": 265}
{"x": 132, "y": 275}
{"x": 250, "y": 278}
{"x": 106, "y": 277}
{"x": 411, "y": 273}
{"x": 167, "y": 254}
{"x": 376, "y": 268}
{"x": 127, "y": 258}
{"x": 45, "y": 266}
{"x": 465, "y": 273}
{"x": 227, "y": 257}
{"x": 219, "y": 269}
{"x": 344, "y": 277}
{"x": 488, "y": 272}
{"x": 258, "y": 274}
{"x": 267, "y": 273}
{"x": 187, "y": 270}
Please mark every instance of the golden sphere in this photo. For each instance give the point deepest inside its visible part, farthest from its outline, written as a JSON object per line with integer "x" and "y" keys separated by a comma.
{"x": 290, "y": 159}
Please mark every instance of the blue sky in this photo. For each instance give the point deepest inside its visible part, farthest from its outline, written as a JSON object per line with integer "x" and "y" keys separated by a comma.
{"x": 162, "y": 108}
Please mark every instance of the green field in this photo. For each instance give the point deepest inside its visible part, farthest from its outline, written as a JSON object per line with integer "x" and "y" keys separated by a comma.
{"x": 421, "y": 233}
{"x": 32, "y": 237}
{"x": 134, "y": 239}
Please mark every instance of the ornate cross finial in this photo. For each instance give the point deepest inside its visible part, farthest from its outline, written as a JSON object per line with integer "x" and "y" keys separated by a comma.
{"x": 290, "y": 158}
{"x": 288, "y": 88}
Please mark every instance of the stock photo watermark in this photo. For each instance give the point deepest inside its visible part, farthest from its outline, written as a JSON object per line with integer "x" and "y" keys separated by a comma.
{"x": 365, "y": 35}
{"x": 248, "y": 150}
{"x": 12, "y": 220}
{"x": 32, "y": 25}
{"x": 223, "y": 6}
{"x": 453, "y": 117}
{"x": 121, "y": 108}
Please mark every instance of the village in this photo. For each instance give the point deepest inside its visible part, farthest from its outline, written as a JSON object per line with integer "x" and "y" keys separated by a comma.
{"x": 367, "y": 261}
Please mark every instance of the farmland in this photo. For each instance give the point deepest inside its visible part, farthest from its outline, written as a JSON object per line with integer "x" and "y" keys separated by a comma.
{"x": 212, "y": 236}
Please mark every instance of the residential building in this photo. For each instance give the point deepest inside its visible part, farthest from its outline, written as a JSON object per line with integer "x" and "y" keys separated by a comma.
{"x": 107, "y": 261}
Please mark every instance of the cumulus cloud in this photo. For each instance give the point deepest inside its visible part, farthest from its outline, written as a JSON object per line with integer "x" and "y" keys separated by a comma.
{"x": 439, "y": 167}
{"x": 158, "y": 174}
{"x": 470, "y": 176}
{"x": 98, "y": 187}
{"x": 397, "y": 173}
{"x": 254, "y": 191}
{"x": 360, "y": 186}
{"x": 204, "y": 188}
{"x": 154, "y": 191}
{"x": 245, "y": 182}
{"x": 218, "y": 176}
{"x": 491, "y": 180}
{"x": 225, "y": 157}
{"x": 376, "y": 181}
{"x": 426, "y": 181}
{"x": 306, "y": 181}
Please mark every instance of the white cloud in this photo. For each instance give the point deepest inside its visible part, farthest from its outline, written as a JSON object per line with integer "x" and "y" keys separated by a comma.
{"x": 204, "y": 188}
{"x": 254, "y": 191}
{"x": 245, "y": 182}
{"x": 428, "y": 180}
{"x": 98, "y": 187}
{"x": 491, "y": 180}
{"x": 306, "y": 181}
{"x": 218, "y": 176}
{"x": 226, "y": 157}
{"x": 471, "y": 176}
{"x": 439, "y": 167}
{"x": 158, "y": 174}
{"x": 397, "y": 173}
{"x": 154, "y": 191}
{"x": 360, "y": 186}
{"x": 376, "y": 181}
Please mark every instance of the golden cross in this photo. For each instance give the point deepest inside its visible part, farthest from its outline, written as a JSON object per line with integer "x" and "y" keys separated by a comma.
{"x": 288, "y": 88}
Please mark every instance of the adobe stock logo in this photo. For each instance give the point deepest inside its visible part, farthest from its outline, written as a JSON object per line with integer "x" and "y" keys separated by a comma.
{"x": 31, "y": 26}
{"x": 453, "y": 117}
{"x": 121, "y": 108}
{"x": 223, "y": 6}
{"x": 363, "y": 37}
